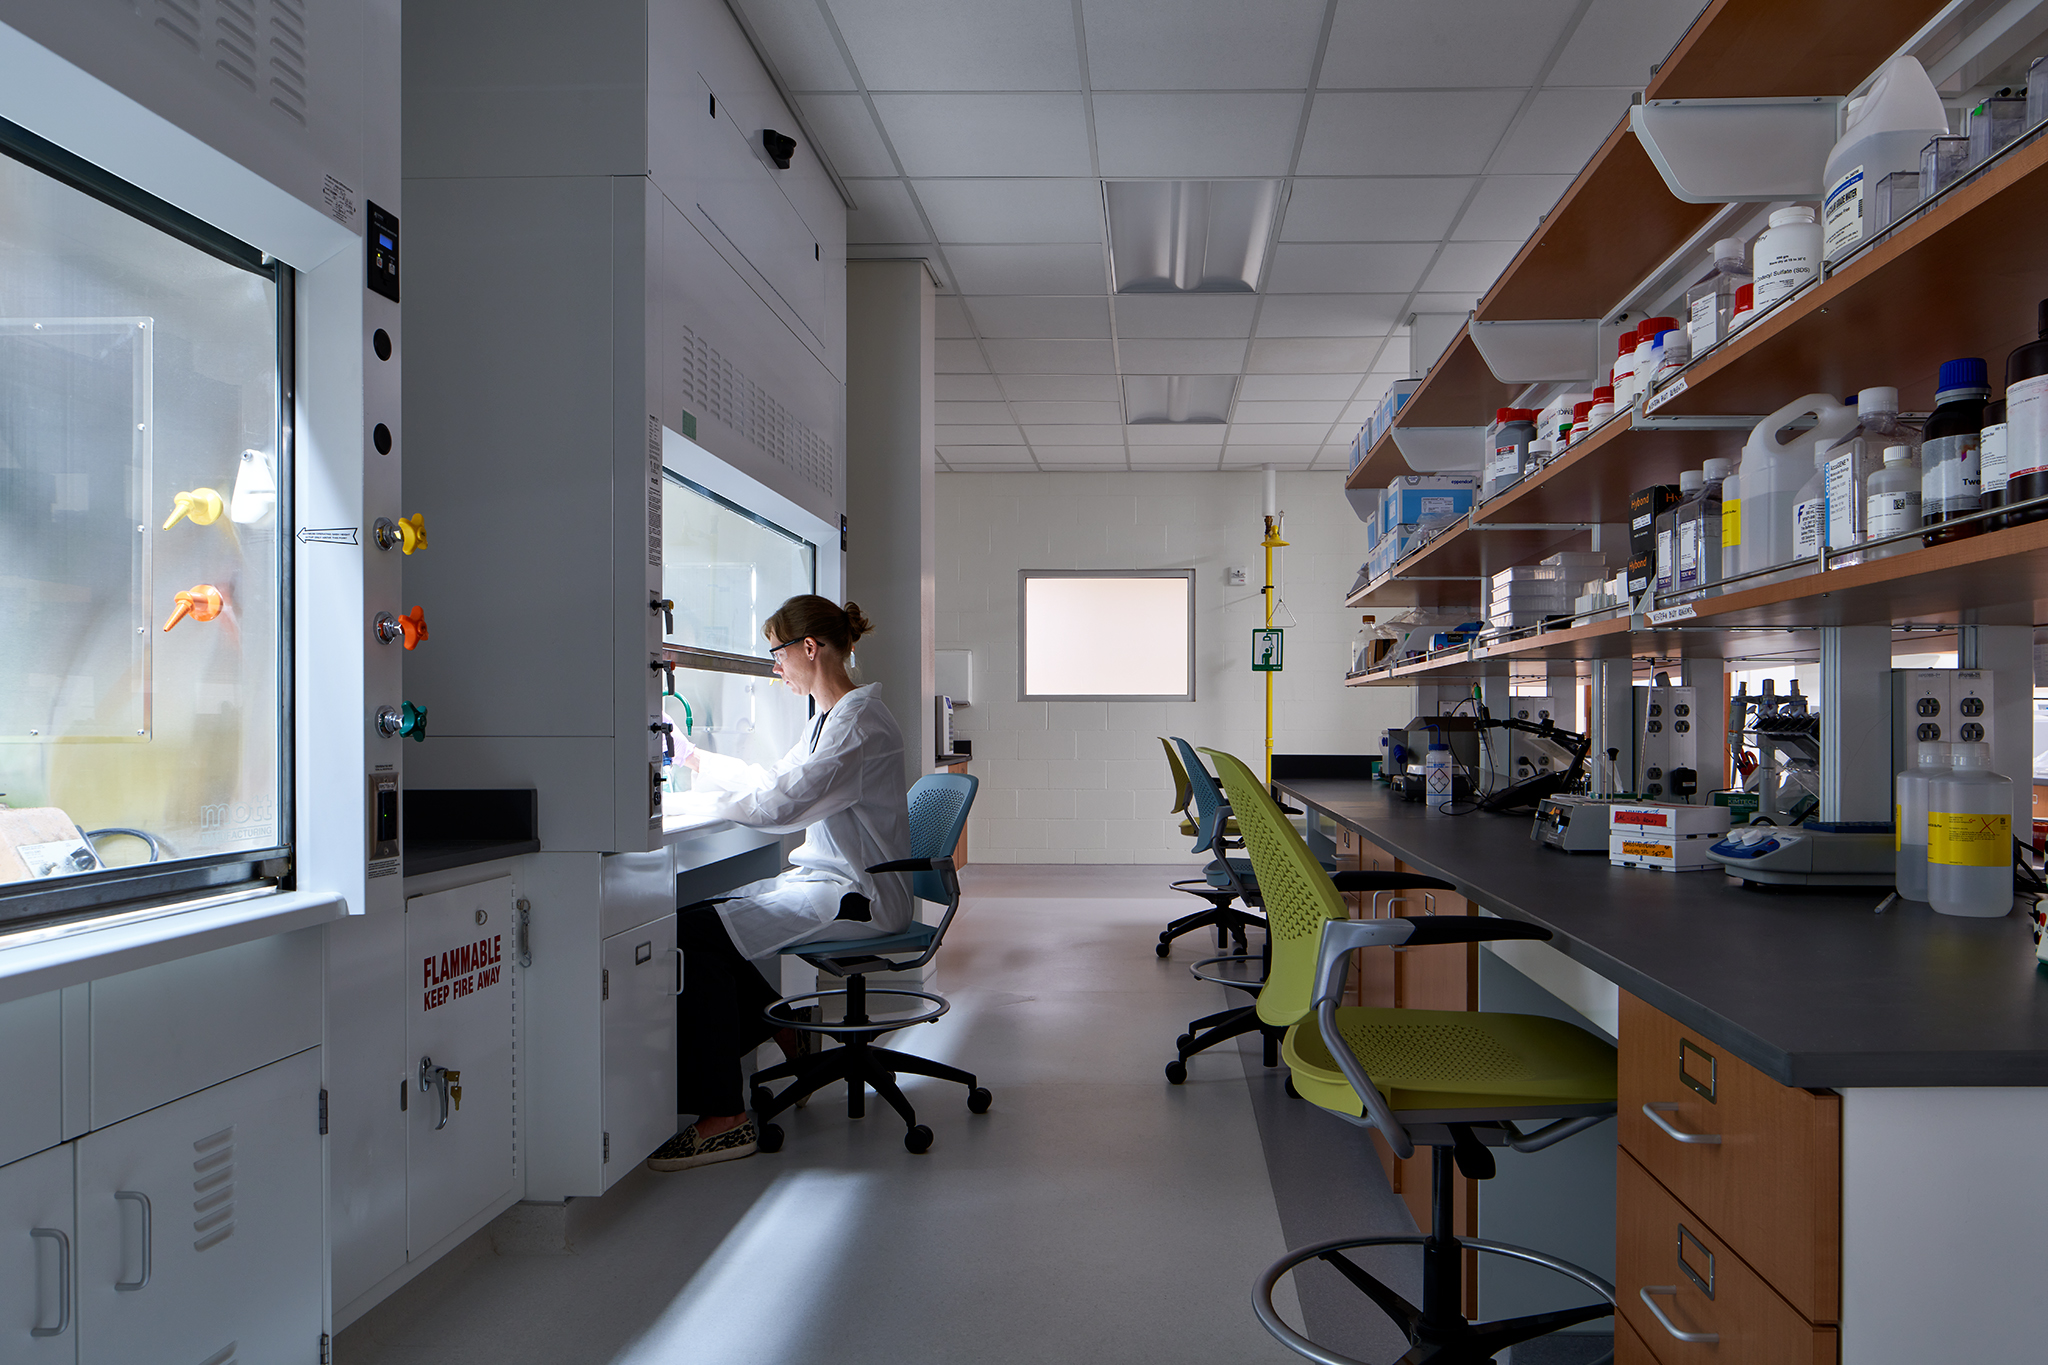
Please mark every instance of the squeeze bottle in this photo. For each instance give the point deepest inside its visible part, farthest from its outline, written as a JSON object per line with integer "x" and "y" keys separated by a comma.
{"x": 1772, "y": 471}
{"x": 1969, "y": 836}
{"x": 1909, "y": 818}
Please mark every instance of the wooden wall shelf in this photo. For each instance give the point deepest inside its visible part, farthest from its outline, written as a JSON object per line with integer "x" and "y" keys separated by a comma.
{"x": 1459, "y": 392}
{"x": 1740, "y": 48}
{"x": 1594, "y": 480}
{"x": 1381, "y": 466}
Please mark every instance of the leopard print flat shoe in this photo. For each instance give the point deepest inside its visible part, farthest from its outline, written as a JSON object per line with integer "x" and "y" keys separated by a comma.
{"x": 686, "y": 1149}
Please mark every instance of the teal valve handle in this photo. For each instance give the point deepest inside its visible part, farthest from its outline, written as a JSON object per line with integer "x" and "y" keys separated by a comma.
{"x": 413, "y": 722}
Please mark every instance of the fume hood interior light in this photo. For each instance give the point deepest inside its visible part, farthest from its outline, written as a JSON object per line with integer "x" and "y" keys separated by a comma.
{"x": 1194, "y": 399}
{"x": 1189, "y": 236}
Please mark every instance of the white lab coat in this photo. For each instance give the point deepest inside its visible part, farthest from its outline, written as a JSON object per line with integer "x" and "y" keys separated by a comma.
{"x": 844, "y": 781}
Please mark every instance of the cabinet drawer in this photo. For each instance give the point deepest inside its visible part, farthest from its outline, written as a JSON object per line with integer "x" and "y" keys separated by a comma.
{"x": 1772, "y": 1186}
{"x": 1628, "y": 1347}
{"x": 1659, "y": 1244}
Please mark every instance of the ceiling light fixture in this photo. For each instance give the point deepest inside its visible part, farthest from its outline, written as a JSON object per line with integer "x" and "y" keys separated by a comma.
{"x": 1189, "y": 236}
{"x": 1184, "y": 399}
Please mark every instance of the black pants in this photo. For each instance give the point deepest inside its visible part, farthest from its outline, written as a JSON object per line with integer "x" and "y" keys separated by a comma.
{"x": 718, "y": 1015}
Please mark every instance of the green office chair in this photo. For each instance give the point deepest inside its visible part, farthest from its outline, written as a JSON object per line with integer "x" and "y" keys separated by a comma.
{"x": 1457, "y": 1082}
{"x": 1229, "y": 922}
{"x": 938, "y": 812}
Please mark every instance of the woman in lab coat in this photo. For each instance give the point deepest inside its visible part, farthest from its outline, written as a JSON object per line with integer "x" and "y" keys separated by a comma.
{"x": 843, "y": 784}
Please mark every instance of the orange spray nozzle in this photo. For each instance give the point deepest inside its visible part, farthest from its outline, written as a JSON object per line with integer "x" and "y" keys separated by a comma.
{"x": 201, "y": 602}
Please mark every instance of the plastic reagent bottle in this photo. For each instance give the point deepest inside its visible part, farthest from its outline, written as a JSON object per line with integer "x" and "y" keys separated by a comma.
{"x": 1909, "y": 818}
{"x": 1744, "y": 311}
{"x": 1711, "y": 301}
{"x": 1436, "y": 777}
{"x": 1854, "y": 460}
{"x": 1810, "y": 507}
{"x": 1621, "y": 379}
{"x": 1689, "y": 484}
{"x": 1787, "y": 254}
{"x": 1604, "y": 407}
{"x": 1892, "y": 506}
{"x": 1644, "y": 372}
{"x": 1992, "y": 470}
{"x": 1731, "y": 524}
{"x": 1883, "y": 132}
{"x": 1699, "y": 529}
{"x": 1950, "y": 474}
{"x": 1669, "y": 354}
{"x": 1969, "y": 836}
{"x": 2026, "y": 432}
{"x": 1773, "y": 469}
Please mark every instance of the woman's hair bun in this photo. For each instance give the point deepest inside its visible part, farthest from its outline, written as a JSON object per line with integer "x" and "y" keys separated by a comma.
{"x": 857, "y": 623}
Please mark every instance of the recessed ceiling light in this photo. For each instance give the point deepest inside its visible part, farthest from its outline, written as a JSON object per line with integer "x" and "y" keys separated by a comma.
{"x": 1152, "y": 399}
{"x": 1189, "y": 236}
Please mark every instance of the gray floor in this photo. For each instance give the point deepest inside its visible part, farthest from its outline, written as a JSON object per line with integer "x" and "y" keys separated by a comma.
{"x": 1095, "y": 1214}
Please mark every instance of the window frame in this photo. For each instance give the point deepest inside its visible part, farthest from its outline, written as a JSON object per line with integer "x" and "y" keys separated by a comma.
{"x": 697, "y": 657}
{"x": 1024, "y": 577}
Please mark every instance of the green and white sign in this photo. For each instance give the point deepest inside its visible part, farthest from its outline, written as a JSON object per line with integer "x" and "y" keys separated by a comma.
{"x": 1267, "y": 650}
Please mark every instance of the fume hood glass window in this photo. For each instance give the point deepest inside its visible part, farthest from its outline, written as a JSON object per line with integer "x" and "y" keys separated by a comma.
{"x": 142, "y": 478}
{"x": 727, "y": 570}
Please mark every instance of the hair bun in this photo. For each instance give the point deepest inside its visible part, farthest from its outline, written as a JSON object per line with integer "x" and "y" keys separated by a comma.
{"x": 857, "y": 623}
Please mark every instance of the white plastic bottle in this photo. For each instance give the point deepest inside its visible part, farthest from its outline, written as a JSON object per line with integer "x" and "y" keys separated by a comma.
{"x": 1883, "y": 132}
{"x": 1643, "y": 374}
{"x": 1853, "y": 461}
{"x": 1668, "y": 355}
{"x": 1689, "y": 484}
{"x": 1787, "y": 254}
{"x": 1892, "y": 507}
{"x": 1710, "y": 303}
{"x": 1810, "y": 507}
{"x": 1909, "y": 817}
{"x": 1436, "y": 777}
{"x": 1699, "y": 529}
{"x": 1622, "y": 378}
{"x": 1969, "y": 836}
{"x": 1774, "y": 467}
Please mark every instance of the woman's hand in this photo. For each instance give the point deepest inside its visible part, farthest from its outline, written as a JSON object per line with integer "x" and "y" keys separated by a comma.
{"x": 686, "y": 753}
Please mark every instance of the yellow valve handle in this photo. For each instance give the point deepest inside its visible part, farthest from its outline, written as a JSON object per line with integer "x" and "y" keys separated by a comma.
{"x": 412, "y": 532}
{"x": 201, "y": 505}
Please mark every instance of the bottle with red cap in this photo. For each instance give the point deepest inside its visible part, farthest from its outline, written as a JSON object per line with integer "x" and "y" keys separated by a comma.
{"x": 1507, "y": 449}
{"x": 1745, "y": 307}
{"x": 1645, "y": 368}
{"x": 1582, "y": 420}
{"x": 1624, "y": 373}
{"x": 1603, "y": 406}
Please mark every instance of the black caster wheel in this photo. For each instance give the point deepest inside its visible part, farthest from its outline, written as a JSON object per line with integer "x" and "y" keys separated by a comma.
{"x": 760, "y": 1099}
{"x": 918, "y": 1139}
{"x": 1177, "y": 1071}
{"x": 1180, "y": 1044}
{"x": 1164, "y": 948}
{"x": 770, "y": 1139}
{"x": 1292, "y": 1093}
{"x": 979, "y": 1099}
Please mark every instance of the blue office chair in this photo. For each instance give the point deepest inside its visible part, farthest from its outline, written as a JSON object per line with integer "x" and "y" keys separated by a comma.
{"x": 938, "y": 812}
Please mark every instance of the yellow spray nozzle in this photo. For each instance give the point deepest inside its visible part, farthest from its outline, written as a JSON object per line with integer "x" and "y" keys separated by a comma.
{"x": 202, "y": 505}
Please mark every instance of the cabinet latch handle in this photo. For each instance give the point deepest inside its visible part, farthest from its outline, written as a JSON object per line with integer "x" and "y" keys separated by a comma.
{"x": 140, "y": 1198}
{"x": 1708, "y": 1338}
{"x": 1655, "y": 1114}
{"x": 63, "y": 1281}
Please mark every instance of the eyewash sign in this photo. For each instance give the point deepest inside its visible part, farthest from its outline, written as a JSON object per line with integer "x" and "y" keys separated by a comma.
{"x": 1267, "y": 650}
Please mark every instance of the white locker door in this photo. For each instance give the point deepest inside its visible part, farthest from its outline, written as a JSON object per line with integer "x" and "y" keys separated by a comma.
{"x": 639, "y": 1043}
{"x": 38, "y": 1261}
{"x": 460, "y": 945}
{"x": 200, "y": 1229}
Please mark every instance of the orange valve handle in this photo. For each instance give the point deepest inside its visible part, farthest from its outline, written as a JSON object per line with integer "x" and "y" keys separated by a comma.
{"x": 201, "y": 602}
{"x": 202, "y": 505}
{"x": 414, "y": 626}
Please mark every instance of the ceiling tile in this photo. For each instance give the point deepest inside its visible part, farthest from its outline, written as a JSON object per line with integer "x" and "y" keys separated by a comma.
{"x": 968, "y": 388}
{"x": 1320, "y": 413}
{"x": 1068, "y": 414}
{"x": 989, "y": 435}
{"x": 1562, "y": 130}
{"x": 1062, "y": 388}
{"x": 1308, "y": 434}
{"x": 1378, "y": 43}
{"x": 1332, "y": 315}
{"x": 1100, "y": 435}
{"x": 1273, "y": 388}
{"x": 1057, "y": 457}
{"x": 1427, "y": 302}
{"x": 1195, "y": 135}
{"x": 960, "y": 357}
{"x": 980, "y": 455}
{"x": 843, "y": 124}
{"x": 1312, "y": 357}
{"x": 1343, "y": 268}
{"x": 1470, "y": 265}
{"x": 1383, "y": 209}
{"x": 1165, "y": 459}
{"x": 944, "y": 45}
{"x": 984, "y": 135}
{"x": 1155, "y": 434}
{"x": 1394, "y": 359}
{"x": 1398, "y": 133}
{"x": 1022, "y": 210}
{"x": 1284, "y": 456}
{"x": 1620, "y": 40}
{"x": 1147, "y": 356}
{"x": 950, "y": 414}
{"x": 1076, "y": 356}
{"x": 1507, "y": 207}
{"x": 799, "y": 44}
{"x": 949, "y": 316}
{"x": 1202, "y": 44}
{"x": 885, "y": 213}
{"x": 1044, "y": 315}
{"x": 1036, "y": 268}
{"x": 1185, "y": 315}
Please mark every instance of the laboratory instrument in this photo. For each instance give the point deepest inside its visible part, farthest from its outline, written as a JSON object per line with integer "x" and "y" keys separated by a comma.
{"x": 1811, "y": 854}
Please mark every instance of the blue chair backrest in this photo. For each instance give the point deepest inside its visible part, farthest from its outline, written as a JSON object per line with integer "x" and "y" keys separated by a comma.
{"x": 1209, "y": 803}
{"x": 938, "y": 812}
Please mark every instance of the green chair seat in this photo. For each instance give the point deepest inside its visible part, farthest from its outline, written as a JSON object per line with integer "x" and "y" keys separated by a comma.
{"x": 1434, "y": 1061}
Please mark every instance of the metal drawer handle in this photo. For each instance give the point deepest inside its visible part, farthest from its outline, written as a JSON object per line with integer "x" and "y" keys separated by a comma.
{"x": 1709, "y": 1338}
{"x": 63, "y": 1282}
{"x": 139, "y": 1197}
{"x": 1655, "y": 1114}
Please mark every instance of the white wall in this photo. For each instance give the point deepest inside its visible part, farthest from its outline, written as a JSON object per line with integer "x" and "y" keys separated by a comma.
{"x": 1085, "y": 782}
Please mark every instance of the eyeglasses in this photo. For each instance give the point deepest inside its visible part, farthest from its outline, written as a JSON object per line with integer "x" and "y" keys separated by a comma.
{"x": 773, "y": 650}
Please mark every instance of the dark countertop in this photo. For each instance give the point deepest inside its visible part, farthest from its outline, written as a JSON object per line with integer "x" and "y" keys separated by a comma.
{"x": 438, "y": 855}
{"x": 1811, "y": 988}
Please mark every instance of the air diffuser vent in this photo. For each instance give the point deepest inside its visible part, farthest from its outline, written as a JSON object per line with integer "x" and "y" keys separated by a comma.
{"x": 711, "y": 386}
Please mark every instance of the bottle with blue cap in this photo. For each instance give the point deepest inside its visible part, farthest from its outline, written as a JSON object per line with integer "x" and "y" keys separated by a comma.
{"x": 1951, "y": 478}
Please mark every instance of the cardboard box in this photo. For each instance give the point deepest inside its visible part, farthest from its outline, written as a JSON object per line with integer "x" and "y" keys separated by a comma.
{"x": 1416, "y": 498}
{"x": 1644, "y": 507}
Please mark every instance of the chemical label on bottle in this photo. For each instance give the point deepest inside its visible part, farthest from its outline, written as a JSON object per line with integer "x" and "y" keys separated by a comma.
{"x": 1780, "y": 275}
{"x": 1809, "y": 527}
{"x": 1731, "y": 526}
{"x": 1845, "y": 506}
{"x": 1665, "y": 567}
{"x": 1842, "y": 212}
{"x": 1689, "y": 553}
{"x": 1991, "y": 462}
{"x": 1891, "y": 514}
{"x": 1506, "y": 463}
{"x": 1950, "y": 481}
{"x": 2026, "y": 427}
{"x": 1703, "y": 327}
{"x": 1898, "y": 823}
{"x": 1956, "y": 839}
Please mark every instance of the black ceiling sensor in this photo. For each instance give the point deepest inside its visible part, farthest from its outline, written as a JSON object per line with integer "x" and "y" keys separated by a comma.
{"x": 780, "y": 147}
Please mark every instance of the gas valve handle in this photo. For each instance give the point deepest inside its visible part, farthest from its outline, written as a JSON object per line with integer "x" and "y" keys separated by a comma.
{"x": 407, "y": 533}
{"x": 407, "y": 719}
{"x": 667, "y": 730}
{"x": 667, "y": 608}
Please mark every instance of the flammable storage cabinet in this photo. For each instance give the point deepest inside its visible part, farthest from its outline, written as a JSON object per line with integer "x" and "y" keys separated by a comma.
{"x": 201, "y": 931}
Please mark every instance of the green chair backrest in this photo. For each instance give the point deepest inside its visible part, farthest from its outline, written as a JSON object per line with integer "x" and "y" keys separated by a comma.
{"x": 1298, "y": 894}
{"x": 1181, "y": 793}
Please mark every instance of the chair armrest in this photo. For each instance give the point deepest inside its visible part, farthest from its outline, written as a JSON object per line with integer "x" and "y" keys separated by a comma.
{"x": 1340, "y": 936}
{"x": 1389, "y": 881}
{"x": 905, "y": 865}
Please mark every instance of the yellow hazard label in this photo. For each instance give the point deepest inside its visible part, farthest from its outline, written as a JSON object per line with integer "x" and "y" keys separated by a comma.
{"x": 1731, "y": 526}
{"x": 1898, "y": 824}
{"x": 1636, "y": 850}
{"x": 1955, "y": 839}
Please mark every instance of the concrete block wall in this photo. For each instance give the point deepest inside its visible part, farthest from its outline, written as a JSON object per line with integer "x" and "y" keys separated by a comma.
{"x": 1086, "y": 782}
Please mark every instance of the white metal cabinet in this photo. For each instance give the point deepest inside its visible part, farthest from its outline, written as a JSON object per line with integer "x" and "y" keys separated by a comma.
{"x": 460, "y": 948}
{"x": 31, "y": 1075}
{"x": 640, "y": 979}
{"x": 200, "y": 1226}
{"x": 38, "y": 1261}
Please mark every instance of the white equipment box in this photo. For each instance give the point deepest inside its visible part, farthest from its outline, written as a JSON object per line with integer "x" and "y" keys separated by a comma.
{"x": 1664, "y": 837}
